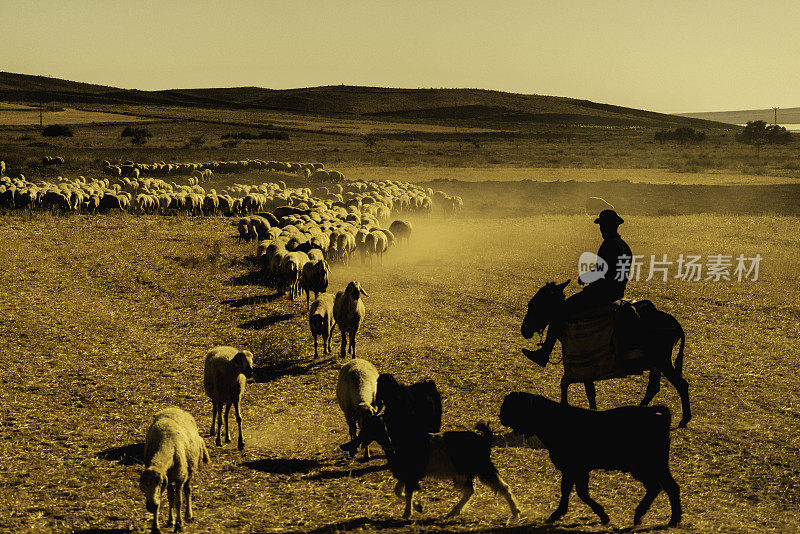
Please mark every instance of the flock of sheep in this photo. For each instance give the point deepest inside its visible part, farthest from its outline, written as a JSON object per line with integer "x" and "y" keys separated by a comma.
{"x": 146, "y": 195}
{"x": 204, "y": 170}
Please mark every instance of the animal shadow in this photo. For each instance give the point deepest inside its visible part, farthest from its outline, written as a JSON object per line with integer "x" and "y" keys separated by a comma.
{"x": 431, "y": 524}
{"x": 263, "y": 322}
{"x": 103, "y": 531}
{"x": 248, "y": 301}
{"x": 277, "y": 370}
{"x": 348, "y": 473}
{"x": 283, "y": 466}
{"x": 132, "y": 454}
{"x": 250, "y": 279}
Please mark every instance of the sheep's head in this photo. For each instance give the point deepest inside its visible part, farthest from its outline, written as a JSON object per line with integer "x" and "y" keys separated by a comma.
{"x": 244, "y": 359}
{"x": 354, "y": 290}
{"x": 153, "y": 484}
{"x": 541, "y": 308}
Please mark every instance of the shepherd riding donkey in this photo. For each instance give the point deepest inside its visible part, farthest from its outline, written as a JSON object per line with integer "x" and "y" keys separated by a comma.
{"x": 603, "y": 335}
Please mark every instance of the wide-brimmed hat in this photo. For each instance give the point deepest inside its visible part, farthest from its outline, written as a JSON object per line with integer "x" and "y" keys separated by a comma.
{"x": 609, "y": 217}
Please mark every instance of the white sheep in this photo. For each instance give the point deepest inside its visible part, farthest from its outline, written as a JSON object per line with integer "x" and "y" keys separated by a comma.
{"x": 348, "y": 312}
{"x": 173, "y": 450}
{"x": 224, "y": 378}
{"x": 355, "y": 391}
{"x": 320, "y": 321}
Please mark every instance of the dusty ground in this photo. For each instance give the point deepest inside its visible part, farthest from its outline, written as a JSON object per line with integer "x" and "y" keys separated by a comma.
{"x": 107, "y": 319}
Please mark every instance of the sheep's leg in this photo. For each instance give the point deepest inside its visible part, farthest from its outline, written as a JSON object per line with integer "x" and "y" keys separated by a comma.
{"x": 227, "y": 414}
{"x": 187, "y": 493}
{"x": 499, "y": 486}
{"x": 156, "y": 528}
{"x": 566, "y": 489}
{"x": 591, "y": 394}
{"x": 467, "y": 490}
{"x": 344, "y": 342}
{"x": 353, "y": 343}
{"x": 316, "y": 352}
{"x": 219, "y": 423}
{"x": 653, "y": 489}
{"x": 170, "y": 502}
{"x": 238, "y": 415}
{"x": 582, "y": 489}
{"x": 214, "y": 410}
{"x": 330, "y": 338}
{"x": 564, "y": 391}
{"x": 308, "y": 299}
{"x": 653, "y": 386}
{"x": 178, "y": 494}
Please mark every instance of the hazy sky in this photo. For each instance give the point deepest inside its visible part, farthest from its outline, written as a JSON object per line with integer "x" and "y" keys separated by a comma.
{"x": 669, "y": 56}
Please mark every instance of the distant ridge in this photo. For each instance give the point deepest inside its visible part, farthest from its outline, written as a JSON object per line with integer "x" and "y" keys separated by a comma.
{"x": 368, "y": 102}
{"x": 785, "y": 116}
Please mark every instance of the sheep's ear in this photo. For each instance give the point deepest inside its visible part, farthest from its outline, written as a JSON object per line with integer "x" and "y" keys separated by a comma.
{"x": 361, "y": 290}
{"x": 565, "y": 284}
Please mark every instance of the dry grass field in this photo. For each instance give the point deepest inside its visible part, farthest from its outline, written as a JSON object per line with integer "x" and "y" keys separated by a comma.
{"x": 19, "y": 115}
{"x": 107, "y": 319}
{"x": 502, "y": 173}
{"x": 412, "y": 149}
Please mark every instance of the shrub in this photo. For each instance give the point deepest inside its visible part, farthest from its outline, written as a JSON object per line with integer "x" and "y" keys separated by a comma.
{"x": 57, "y": 130}
{"x": 138, "y": 135}
{"x": 758, "y": 133}
{"x": 370, "y": 140}
{"x": 683, "y": 135}
{"x": 230, "y": 143}
{"x": 133, "y": 131}
{"x": 196, "y": 142}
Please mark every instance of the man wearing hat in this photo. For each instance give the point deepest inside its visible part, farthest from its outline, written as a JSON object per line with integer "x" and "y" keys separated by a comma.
{"x": 611, "y": 286}
{"x": 601, "y": 292}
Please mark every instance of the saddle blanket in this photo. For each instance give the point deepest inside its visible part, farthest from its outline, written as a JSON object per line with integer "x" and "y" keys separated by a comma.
{"x": 589, "y": 346}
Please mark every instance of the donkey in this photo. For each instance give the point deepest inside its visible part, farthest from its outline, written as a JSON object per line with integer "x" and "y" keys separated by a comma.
{"x": 660, "y": 332}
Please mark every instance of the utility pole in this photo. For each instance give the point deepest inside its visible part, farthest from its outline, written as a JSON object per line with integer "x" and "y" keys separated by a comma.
{"x": 775, "y": 110}
{"x": 40, "y": 116}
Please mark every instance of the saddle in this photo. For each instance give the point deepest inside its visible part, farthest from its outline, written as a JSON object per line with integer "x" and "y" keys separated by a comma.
{"x": 605, "y": 342}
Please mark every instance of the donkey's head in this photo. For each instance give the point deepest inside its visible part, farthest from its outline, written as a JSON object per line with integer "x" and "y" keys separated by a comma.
{"x": 545, "y": 304}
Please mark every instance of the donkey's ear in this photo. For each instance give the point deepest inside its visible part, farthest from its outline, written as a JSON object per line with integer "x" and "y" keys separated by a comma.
{"x": 563, "y": 285}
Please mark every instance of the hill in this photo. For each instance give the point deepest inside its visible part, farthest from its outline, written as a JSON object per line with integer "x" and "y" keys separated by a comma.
{"x": 439, "y": 105}
{"x": 785, "y": 116}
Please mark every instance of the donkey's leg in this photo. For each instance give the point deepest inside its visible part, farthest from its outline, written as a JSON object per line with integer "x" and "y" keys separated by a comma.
{"x": 680, "y": 383}
{"x": 653, "y": 386}
{"x": 564, "y": 391}
{"x": 591, "y": 394}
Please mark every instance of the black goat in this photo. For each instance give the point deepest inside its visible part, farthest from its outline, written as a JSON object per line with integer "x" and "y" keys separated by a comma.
{"x": 633, "y": 439}
{"x": 422, "y": 400}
